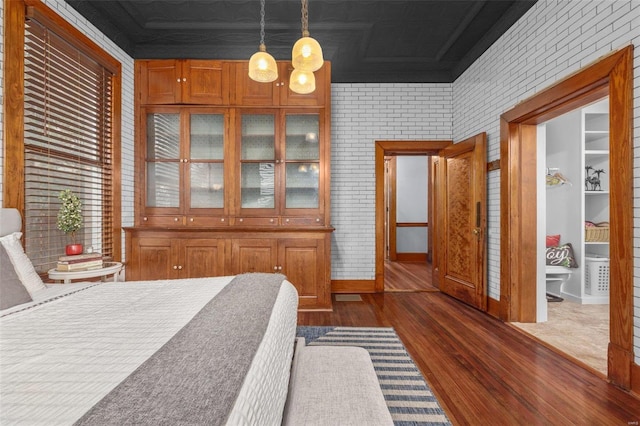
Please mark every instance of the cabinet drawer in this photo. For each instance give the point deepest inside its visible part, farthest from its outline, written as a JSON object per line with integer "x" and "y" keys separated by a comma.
{"x": 163, "y": 221}
{"x": 256, "y": 221}
{"x": 207, "y": 221}
{"x": 302, "y": 221}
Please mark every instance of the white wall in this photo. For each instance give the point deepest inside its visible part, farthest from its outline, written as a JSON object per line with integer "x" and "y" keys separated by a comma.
{"x": 74, "y": 18}
{"x": 554, "y": 39}
{"x": 361, "y": 114}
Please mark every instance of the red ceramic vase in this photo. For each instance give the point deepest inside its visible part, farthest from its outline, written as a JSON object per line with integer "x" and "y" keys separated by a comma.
{"x": 73, "y": 249}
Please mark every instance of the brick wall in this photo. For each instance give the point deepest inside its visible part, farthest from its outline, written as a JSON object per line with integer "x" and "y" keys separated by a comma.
{"x": 553, "y": 40}
{"x": 362, "y": 114}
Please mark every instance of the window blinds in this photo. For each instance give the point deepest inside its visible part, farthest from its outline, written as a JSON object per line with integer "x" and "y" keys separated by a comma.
{"x": 68, "y": 145}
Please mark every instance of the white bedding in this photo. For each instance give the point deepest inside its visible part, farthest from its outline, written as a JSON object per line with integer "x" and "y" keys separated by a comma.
{"x": 57, "y": 359}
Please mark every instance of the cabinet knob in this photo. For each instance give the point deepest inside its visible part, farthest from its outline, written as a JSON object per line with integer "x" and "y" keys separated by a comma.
{"x": 287, "y": 220}
{"x": 222, "y": 219}
{"x": 191, "y": 219}
{"x": 184, "y": 78}
{"x": 179, "y": 266}
{"x": 275, "y": 268}
{"x": 317, "y": 219}
{"x": 178, "y": 80}
{"x": 175, "y": 267}
{"x": 279, "y": 268}
{"x": 271, "y": 220}
{"x": 145, "y": 218}
{"x": 241, "y": 220}
{"x": 175, "y": 219}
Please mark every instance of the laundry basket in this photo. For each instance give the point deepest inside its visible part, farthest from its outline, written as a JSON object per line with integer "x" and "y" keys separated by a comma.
{"x": 596, "y": 278}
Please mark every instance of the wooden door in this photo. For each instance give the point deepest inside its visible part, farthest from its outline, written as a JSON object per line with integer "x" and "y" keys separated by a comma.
{"x": 302, "y": 262}
{"x": 205, "y": 82}
{"x": 202, "y": 258}
{"x": 462, "y": 220}
{"x": 253, "y": 255}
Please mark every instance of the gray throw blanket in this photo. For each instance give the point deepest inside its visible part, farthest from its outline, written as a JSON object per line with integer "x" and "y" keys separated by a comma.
{"x": 196, "y": 376}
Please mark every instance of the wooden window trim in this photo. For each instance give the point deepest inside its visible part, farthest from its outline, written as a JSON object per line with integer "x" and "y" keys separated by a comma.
{"x": 15, "y": 13}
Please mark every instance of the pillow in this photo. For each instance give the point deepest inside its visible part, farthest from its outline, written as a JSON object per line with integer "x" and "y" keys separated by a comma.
{"x": 553, "y": 240}
{"x": 24, "y": 269}
{"x": 12, "y": 292}
{"x": 561, "y": 256}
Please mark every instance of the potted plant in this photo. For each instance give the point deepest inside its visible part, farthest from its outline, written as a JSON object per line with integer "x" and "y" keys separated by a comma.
{"x": 70, "y": 219}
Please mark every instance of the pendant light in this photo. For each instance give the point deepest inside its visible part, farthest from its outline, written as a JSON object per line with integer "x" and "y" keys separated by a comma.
{"x": 262, "y": 66}
{"x": 302, "y": 82}
{"x": 307, "y": 53}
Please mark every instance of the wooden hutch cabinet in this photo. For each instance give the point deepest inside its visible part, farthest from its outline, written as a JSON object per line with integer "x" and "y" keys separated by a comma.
{"x": 232, "y": 176}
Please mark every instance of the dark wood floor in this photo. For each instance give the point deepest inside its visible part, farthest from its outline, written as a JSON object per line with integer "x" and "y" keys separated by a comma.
{"x": 485, "y": 372}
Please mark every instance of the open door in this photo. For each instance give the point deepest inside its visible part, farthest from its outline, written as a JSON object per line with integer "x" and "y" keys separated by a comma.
{"x": 462, "y": 221}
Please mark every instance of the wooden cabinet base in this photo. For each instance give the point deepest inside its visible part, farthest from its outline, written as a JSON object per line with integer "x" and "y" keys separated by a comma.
{"x": 303, "y": 256}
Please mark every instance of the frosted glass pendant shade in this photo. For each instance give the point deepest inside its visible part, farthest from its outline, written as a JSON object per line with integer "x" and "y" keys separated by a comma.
{"x": 262, "y": 66}
{"x": 302, "y": 82}
{"x": 306, "y": 54}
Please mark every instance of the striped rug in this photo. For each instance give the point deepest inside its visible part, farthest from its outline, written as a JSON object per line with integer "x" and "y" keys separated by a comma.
{"x": 408, "y": 396}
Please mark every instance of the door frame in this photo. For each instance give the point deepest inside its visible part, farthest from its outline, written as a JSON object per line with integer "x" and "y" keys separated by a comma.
{"x": 610, "y": 76}
{"x": 400, "y": 147}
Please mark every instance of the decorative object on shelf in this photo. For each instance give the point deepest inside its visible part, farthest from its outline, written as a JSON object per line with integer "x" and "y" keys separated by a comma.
{"x": 555, "y": 178}
{"x": 70, "y": 219}
{"x": 262, "y": 66}
{"x": 592, "y": 178}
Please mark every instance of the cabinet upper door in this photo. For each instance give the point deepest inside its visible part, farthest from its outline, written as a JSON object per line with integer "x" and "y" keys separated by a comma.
{"x": 159, "y": 81}
{"x": 251, "y": 93}
{"x": 204, "y": 82}
{"x": 180, "y": 81}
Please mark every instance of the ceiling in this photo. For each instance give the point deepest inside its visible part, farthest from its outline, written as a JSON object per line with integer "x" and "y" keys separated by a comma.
{"x": 367, "y": 41}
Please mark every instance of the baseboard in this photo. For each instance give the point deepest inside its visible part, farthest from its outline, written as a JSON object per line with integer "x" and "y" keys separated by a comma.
{"x": 353, "y": 286}
{"x": 635, "y": 379}
{"x": 493, "y": 307}
{"x": 411, "y": 257}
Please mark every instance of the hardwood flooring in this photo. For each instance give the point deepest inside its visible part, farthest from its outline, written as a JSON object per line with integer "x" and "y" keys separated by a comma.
{"x": 485, "y": 372}
{"x": 407, "y": 276}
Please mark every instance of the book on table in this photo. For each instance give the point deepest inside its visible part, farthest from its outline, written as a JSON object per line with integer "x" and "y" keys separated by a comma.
{"x": 81, "y": 266}
{"x": 79, "y": 258}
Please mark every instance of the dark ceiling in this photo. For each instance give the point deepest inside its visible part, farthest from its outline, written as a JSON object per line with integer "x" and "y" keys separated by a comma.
{"x": 368, "y": 41}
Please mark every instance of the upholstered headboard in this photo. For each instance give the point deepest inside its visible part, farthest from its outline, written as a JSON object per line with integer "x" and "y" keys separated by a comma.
{"x": 10, "y": 221}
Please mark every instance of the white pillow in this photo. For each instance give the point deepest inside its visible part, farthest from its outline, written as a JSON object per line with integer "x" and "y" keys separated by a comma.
{"x": 27, "y": 274}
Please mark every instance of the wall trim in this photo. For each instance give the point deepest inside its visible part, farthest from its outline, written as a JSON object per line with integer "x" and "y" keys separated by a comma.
{"x": 353, "y": 286}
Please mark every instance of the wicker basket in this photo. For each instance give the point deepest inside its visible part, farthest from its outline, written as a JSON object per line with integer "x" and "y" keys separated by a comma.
{"x": 598, "y": 233}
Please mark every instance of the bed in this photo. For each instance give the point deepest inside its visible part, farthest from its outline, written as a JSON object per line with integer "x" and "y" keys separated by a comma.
{"x": 194, "y": 351}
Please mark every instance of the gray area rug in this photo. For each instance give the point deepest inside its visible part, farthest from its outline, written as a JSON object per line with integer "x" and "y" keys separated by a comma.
{"x": 407, "y": 394}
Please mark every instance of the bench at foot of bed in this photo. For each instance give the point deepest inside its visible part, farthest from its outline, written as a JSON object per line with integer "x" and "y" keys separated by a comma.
{"x": 334, "y": 385}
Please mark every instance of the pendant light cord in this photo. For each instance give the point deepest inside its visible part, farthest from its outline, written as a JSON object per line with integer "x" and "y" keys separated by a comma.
{"x": 305, "y": 19}
{"x": 262, "y": 21}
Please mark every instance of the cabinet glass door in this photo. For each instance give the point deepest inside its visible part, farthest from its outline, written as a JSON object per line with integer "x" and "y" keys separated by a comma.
{"x": 206, "y": 160}
{"x": 162, "y": 162}
{"x": 257, "y": 188}
{"x": 302, "y": 174}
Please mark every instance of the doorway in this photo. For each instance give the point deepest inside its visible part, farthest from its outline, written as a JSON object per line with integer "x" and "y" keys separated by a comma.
{"x": 407, "y": 237}
{"x": 611, "y": 76}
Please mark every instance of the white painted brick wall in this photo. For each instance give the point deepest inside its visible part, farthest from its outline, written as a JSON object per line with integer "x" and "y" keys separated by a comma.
{"x": 554, "y": 39}
{"x": 362, "y": 114}
{"x": 74, "y": 18}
